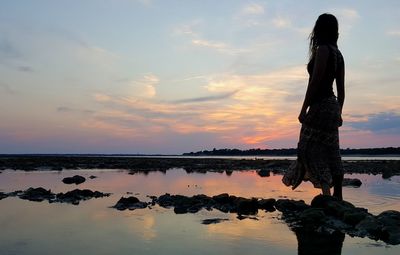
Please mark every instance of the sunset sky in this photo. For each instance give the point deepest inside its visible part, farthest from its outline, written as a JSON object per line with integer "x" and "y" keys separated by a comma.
{"x": 164, "y": 76}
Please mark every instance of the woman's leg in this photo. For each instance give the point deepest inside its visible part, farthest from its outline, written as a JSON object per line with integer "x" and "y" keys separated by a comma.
{"x": 337, "y": 186}
{"x": 325, "y": 189}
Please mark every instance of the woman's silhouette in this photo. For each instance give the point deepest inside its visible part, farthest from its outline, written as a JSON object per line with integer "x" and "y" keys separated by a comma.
{"x": 318, "y": 158}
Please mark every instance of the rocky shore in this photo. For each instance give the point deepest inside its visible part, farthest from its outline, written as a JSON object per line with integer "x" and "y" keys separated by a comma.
{"x": 41, "y": 194}
{"x": 387, "y": 168}
{"x": 324, "y": 217}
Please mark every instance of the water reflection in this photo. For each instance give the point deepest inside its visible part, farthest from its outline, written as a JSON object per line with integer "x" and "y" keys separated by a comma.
{"x": 29, "y": 227}
{"x": 314, "y": 243}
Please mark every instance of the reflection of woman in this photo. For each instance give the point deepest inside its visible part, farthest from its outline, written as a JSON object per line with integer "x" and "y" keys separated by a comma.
{"x": 314, "y": 243}
{"x": 319, "y": 159}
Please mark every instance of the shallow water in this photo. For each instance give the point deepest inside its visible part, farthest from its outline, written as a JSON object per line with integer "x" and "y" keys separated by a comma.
{"x": 94, "y": 228}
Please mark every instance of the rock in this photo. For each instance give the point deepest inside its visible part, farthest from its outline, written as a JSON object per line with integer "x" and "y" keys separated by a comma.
{"x": 387, "y": 173}
{"x": 213, "y": 221}
{"x": 225, "y": 208}
{"x": 353, "y": 217}
{"x": 76, "y": 179}
{"x": 370, "y": 226}
{"x": 267, "y": 204}
{"x": 352, "y": 182}
{"x": 180, "y": 209}
{"x": 228, "y": 172}
{"x": 288, "y": 205}
{"x": 37, "y": 194}
{"x": 165, "y": 200}
{"x": 391, "y": 226}
{"x": 247, "y": 206}
{"x": 321, "y": 201}
{"x": 312, "y": 216}
{"x": 130, "y": 203}
{"x": 76, "y": 195}
{"x": 222, "y": 198}
{"x": 3, "y": 195}
{"x": 264, "y": 173}
{"x": 92, "y": 177}
{"x": 338, "y": 208}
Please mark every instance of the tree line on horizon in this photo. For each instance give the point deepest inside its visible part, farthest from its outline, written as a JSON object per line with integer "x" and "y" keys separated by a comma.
{"x": 290, "y": 152}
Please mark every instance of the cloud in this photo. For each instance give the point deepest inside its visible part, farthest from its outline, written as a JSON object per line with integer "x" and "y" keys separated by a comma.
{"x": 197, "y": 40}
{"x": 393, "y": 32}
{"x": 26, "y": 69}
{"x": 253, "y": 9}
{"x": 65, "y": 109}
{"x": 383, "y": 122}
{"x": 218, "y": 46}
{"x": 7, "y": 50}
{"x": 281, "y": 22}
{"x": 145, "y": 2}
{"x": 207, "y": 98}
{"x": 241, "y": 110}
{"x": 349, "y": 14}
{"x": 102, "y": 98}
{"x": 347, "y": 19}
{"x": 146, "y": 86}
{"x": 7, "y": 89}
{"x": 188, "y": 29}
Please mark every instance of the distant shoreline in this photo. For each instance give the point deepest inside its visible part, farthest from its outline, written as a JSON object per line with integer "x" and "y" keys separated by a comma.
{"x": 289, "y": 152}
{"x": 385, "y": 167}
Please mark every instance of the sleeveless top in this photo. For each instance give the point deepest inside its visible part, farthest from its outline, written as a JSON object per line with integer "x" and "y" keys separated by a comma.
{"x": 335, "y": 62}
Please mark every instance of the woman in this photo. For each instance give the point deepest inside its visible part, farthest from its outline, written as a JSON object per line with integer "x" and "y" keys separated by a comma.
{"x": 318, "y": 158}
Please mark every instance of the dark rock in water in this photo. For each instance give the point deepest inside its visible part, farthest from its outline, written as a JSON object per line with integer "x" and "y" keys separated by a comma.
{"x": 181, "y": 209}
{"x": 76, "y": 179}
{"x": 130, "y": 203}
{"x": 37, "y": 194}
{"x": 165, "y": 200}
{"x": 321, "y": 201}
{"x": 213, "y": 221}
{"x": 92, "y": 177}
{"x": 72, "y": 197}
{"x": 76, "y": 195}
{"x": 369, "y": 226}
{"x": 264, "y": 173}
{"x": 183, "y": 204}
{"x": 338, "y": 208}
{"x": 3, "y": 195}
{"x": 288, "y": 205}
{"x": 391, "y": 226}
{"x": 353, "y": 217}
{"x": 267, "y": 204}
{"x": 222, "y": 198}
{"x": 312, "y": 216}
{"x": 247, "y": 206}
{"x": 332, "y": 206}
{"x": 228, "y": 172}
{"x": 387, "y": 173}
{"x": 352, "y": 182}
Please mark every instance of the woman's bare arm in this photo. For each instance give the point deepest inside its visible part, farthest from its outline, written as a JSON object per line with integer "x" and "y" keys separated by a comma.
{"x": 340, "y": 86}
{"x": 321, "y": 59}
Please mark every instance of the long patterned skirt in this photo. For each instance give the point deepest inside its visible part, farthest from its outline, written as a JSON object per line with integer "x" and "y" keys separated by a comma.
{"x": 318, "y": 153}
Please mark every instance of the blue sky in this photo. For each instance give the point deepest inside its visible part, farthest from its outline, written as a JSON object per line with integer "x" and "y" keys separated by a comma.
{"x": 148, "y": 76}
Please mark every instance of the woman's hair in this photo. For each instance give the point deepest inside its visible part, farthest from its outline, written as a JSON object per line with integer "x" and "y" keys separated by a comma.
{"x": 325, "y": 32}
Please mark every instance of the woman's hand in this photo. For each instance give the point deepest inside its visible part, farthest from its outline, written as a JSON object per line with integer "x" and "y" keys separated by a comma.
{"x": 340, "y": 120}
{"x": 302, "y": 116}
